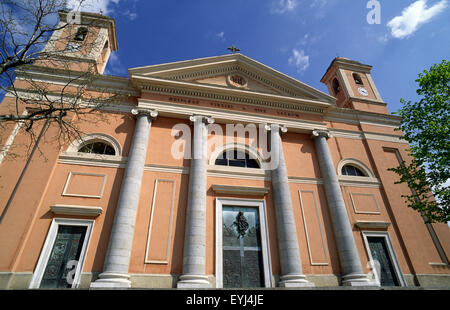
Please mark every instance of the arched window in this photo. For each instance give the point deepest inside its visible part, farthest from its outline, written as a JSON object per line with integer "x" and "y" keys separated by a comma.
{"x": 81, "y": 34}
{"x": 236, "y": 158}
{"x": 97, "y": 147}
{"x": 336, "y": 86}
{"x": 352, "y": 171}
{"x": 358, "y": 79}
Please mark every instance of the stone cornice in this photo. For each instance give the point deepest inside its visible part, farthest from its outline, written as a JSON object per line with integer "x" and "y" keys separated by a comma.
{"x": 211, "y": 66}
{"x": 355, "y": 116}
{"x": 345, "y": 63}
{"x": 94, "y": 19}
{"x": 221, "y": 115}
{"x": 365, "y": 100}
{"x": 213, "y": 92}
{"x": 115, "y": 84}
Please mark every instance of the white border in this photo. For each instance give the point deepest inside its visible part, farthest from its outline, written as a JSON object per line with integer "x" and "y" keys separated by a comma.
{"x": 391, "y": 253}
{"x": 94, "y": 137}
{"x": 324, "y": 246}
{"x": 245, "y": 148}
{"x": 64, "y": 193}
{"x": 48, "y": 245}
{"x": 356, "y": 163}
{"x": 365, "y": 212}
{"x": 256, "y": 203}
{"x": 169, "y": 238}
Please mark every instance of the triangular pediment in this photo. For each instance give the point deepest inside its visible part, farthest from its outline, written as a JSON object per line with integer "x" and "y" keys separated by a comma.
{"x": 234, "y": 71}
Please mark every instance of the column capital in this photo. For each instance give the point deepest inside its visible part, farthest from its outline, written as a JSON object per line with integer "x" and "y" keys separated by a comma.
{"x": 321, "y": 133}
{"x": 140, "y": 111}
{"x": 282, "y": 128}
{"x": 205, "y": 119}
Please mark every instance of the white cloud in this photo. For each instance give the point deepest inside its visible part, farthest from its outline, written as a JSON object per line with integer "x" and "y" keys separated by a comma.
{"x": 299, "y": 60}
{"x": 413, "y": 17}
{"x": 115, "y": 66}
{"x": 221, "y": 35}
{"x": 95, "y": 6}
{"x": 283, "y": 6}
{"x": 318, "y": 3}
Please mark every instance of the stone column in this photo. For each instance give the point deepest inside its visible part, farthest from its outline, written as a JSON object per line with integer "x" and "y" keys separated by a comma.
{"x": 351, "y": 269}
{"x": 115, "y": 269}
{"x": 194, "y": 253}
{"x": 290, "y": 261}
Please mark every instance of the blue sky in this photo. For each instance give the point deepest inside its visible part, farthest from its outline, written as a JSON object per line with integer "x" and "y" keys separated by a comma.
{"x": 297, "y": 37}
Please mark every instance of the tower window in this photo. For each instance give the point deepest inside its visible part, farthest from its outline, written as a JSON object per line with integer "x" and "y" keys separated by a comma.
{"x": 81, "y": 34}
{"x": 97, "y": 148}
{"x": 352, "y": 171}
{"x": 357, "y": 79}
{"x": 336, "y": 86}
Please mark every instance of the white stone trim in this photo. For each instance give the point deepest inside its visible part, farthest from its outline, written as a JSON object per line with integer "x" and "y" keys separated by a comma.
{"x": 245, "y": 148}
{"x": 76, "y": 210}
{"x": 366, "y": 182}
{"x": 169, "y": 238}
{"x": 304, "y": 180}
{"x": 359, "y": 135}
{"x": 10, "y": 140}
{"x": 348, "y": 88}
{"x": 240, "y": 190}
{"x": 195, "y": 68}
{"x": 96, "y": 160}
{"x": 163, "y": 168}
{"x": 238, "y": 173}
{"x": 171, "y": 109}
{"x": 374, "y": 88}
{"x": 265, "y": 244}
{"x": 48, "y": 245}
{"x": 365, "y": 212}
{"x": 356, "y": 163}
{"x": 391, "y": 253}
{"x": 65, "y": 193}
{"x": 324, "y": 246}
{"x": 384, "y": 137}
{"x": 372, "y": 224}
{"x": 95, "y": 137}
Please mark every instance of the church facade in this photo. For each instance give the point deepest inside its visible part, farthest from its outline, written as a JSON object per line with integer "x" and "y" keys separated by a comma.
{"x": 217, "y": 172}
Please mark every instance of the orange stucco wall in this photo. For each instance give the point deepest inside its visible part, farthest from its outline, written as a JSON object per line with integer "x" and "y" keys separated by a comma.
{"x": 29, "y": 217}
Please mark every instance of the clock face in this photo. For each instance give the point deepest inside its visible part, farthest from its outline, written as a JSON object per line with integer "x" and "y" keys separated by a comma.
{"x": 363, "y": 91}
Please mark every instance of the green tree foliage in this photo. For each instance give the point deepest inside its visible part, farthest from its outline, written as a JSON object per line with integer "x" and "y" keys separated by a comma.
{"x": 425, "y": 125}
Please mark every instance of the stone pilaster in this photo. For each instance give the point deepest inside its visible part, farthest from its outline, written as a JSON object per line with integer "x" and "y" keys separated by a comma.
{"x": 194, "y": 253}
{"x": 351, "y": 269}
{"x": 115, "y": 269}
{"x": 290, "y": 261}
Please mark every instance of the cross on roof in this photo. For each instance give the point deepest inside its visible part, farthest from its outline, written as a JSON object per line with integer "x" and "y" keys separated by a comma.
{"x": 233, "y": 49}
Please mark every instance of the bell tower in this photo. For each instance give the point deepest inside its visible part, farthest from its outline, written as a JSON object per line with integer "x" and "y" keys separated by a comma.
{"x": 351, "y": 83}
{"x": 83, "y": 41}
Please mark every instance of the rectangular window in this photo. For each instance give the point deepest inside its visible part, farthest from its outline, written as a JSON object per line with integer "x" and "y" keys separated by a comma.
{"x": 62, "y": 257}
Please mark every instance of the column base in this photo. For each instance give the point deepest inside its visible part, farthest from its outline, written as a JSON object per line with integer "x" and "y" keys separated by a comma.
{"x": 111, "y": 280}
{"x": 193, "y": 281}
{"x": 358, "y": 279}
{"x": 296, "y": 280}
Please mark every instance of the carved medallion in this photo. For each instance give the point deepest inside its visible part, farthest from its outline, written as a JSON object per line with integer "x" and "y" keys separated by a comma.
{"x": 237, "y": 80}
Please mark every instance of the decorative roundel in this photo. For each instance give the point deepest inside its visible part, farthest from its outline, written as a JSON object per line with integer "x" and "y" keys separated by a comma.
{"x": 237, "y": 80}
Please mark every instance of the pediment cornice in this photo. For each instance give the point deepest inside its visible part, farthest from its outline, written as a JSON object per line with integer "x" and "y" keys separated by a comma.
{"x": 196, "y": 69}
{"x": 224, "y": 94}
